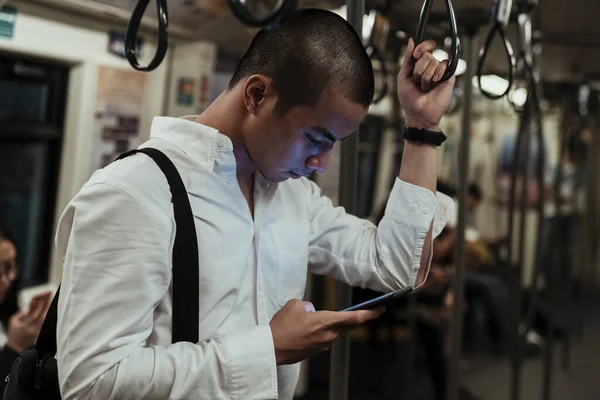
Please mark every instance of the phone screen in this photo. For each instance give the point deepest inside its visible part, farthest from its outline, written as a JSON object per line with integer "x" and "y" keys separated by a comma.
{"x": 381, "y": 300}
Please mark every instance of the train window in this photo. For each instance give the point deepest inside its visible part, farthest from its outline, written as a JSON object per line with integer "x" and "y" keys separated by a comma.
{"x": 32, "y": 108}
{"x": 23, "y": 101}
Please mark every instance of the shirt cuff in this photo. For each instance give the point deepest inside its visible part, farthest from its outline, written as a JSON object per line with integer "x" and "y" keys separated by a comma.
{"x": 411, "y": 205}
{"x": 251, "y": 362}
{"x": 417, "y": 207}
{"x": 443, "y": 211}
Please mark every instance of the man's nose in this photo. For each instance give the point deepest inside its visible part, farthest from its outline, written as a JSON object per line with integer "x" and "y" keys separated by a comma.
{"x": 319, "y": 162}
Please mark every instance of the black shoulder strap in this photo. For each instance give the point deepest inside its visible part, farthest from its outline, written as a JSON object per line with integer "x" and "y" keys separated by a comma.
{"x": 46, "y": 341}
{"x": 185, "y": 264}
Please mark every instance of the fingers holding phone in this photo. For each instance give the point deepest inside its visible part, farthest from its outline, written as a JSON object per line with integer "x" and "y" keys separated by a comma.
{"x": 38, "y": 307}
{"x": 24, "y": 326}
{"x": 298, "y": 332}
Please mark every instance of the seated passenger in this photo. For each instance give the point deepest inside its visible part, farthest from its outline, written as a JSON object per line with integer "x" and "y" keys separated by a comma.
{"x": 483, "y": 287}
{"x": 18, "y": 329}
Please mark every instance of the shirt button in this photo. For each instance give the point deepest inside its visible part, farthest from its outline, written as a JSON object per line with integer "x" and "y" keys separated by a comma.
{"x": 221, "y": 143}
{"x": 426, "y": 211}
{"x": 228, "y": 180}
{"x": 413, "y": 207}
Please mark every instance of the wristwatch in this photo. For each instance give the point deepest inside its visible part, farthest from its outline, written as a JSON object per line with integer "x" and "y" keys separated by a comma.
{"x": 433, "y": 138}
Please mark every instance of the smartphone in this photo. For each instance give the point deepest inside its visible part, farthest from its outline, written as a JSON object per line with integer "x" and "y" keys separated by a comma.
{"x": 40, "y": 301}
{"x": 39, "y": 293}
{"x": 381, "y": 300}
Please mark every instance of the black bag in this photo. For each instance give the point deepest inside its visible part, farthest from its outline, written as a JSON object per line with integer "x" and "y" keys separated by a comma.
{"x": 34, "y": 375}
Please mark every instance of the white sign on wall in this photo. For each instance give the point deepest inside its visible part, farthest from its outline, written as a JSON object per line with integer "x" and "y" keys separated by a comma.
{"x": 119, "y": 102}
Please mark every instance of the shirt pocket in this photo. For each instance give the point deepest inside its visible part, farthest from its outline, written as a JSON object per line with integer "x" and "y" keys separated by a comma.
{"x": 291, "y": 243}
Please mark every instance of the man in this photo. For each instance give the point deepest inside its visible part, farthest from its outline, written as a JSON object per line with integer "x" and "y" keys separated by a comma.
{"x": 559, "y": 227}
{"x": 299, "y": 89}
{"x": 473, "y": 200}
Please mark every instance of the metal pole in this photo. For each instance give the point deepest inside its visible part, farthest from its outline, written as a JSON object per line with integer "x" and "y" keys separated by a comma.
{"x": 340, "y": 349}
{"x": 540, "y": 175}
{"x": 524, "y": 192}
{"x": 583, "y": 255}
{"x": 586, "y": 233}
{"x": 552, "y": 288}
{"x": 592, "y": 208}
{"x": 411, "y": 353}
{"x": 521, "y": 160}
{"x": 517, "y": 160}
{"x": 527, "y": 55}
{"x": 516, "y": 266}
{"x": 459, "y": 249}
{"x": 567, "y": 298}
{"x": 532, "y": 305}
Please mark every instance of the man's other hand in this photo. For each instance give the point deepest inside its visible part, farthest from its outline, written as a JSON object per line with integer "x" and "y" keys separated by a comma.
{"x": 300, "y": 332}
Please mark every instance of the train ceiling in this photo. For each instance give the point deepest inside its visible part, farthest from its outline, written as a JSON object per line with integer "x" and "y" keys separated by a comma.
{"x": 570, "y": 33}
{"x": 570, "y": 29}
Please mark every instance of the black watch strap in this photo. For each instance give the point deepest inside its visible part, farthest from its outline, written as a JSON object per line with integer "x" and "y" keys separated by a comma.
{"x": 434, "y": 138}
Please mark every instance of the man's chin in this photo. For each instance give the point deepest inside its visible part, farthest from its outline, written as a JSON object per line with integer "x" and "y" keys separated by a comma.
{"x": 277, "y": 177}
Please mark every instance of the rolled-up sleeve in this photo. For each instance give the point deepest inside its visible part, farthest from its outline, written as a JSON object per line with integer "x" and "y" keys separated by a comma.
{"x": 117, "y": 270}
{"x": 384, "y": 257}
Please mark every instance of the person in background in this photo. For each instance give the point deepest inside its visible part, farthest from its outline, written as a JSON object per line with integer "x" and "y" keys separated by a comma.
{"x": 482, "y": 288}
{"x": 434, "y": 302}
{"x": 18, "y": 329}
{"x": 485, "y": 287}
{"x": 560, "y": 231}
{"x": 560, "y": 226}
{"x": 474, "y": 197}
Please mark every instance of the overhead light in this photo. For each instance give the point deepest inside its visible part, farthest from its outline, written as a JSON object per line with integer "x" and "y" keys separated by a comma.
{"x": 401, "y": 35}
{"x": 368, "y": 25}
{"x": 492, "y": 84}
{"x": 441, "y": 55}
{"x": 518, "y": 96}
{"x": 368, "y": 21}
{"x": 583, "y": 98}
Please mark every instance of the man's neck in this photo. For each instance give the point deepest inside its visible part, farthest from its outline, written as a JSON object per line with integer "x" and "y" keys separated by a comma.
{"x": 227, "y": 116}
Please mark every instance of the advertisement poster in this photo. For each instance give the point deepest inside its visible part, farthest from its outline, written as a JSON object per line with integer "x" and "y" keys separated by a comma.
{"x": 185, "y": 92}
{"x": 118, "y": 111}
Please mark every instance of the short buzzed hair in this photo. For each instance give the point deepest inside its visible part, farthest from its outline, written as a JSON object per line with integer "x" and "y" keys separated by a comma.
{"x": 309, "y": 50}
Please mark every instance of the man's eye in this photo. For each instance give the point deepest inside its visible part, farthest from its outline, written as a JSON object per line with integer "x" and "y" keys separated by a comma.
{"x": 312, "y": 139}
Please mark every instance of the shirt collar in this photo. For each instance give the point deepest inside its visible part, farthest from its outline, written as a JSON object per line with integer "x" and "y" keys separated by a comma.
{"x": 204, "y": 144}
{"x": 198, "y": 141}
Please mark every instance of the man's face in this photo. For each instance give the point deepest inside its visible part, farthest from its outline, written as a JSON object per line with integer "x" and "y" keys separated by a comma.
{"x": 300, "y": 142}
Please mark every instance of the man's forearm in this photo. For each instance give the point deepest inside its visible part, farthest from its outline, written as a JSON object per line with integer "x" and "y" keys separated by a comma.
{"x": 419, "y": 167}
{"x": 419, "y": 161}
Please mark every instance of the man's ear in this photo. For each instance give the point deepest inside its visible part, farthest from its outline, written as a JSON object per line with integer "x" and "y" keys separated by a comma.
{"x": 256, "y": 88}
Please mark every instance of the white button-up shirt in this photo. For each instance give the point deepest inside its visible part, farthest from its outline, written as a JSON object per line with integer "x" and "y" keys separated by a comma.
{"x": 115, "y": 239}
